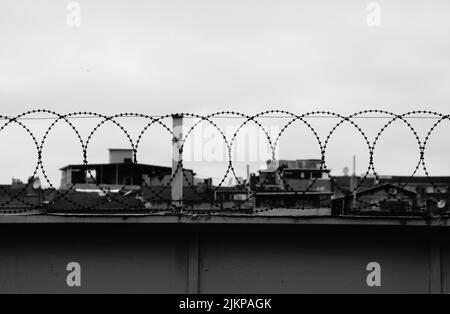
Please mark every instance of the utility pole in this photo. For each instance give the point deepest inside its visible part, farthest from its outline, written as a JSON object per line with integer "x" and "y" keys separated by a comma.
{"x": 177, "y": 161}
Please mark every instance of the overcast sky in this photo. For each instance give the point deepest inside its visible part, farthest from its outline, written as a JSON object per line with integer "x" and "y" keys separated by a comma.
{"x": 159, "y": 57}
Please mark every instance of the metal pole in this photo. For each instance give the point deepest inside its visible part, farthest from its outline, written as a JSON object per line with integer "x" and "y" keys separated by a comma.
{"x": 177, "y": 161}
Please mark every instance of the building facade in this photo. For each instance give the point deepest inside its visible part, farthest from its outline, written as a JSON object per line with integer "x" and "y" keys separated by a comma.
{"x": 299, "y": 183}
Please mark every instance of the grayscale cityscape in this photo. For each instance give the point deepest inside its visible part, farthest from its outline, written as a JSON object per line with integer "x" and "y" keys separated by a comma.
{"x": 208, "y": 149}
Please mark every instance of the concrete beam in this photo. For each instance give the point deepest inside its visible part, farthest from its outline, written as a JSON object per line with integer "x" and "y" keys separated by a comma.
{"x": 223, "y": 219}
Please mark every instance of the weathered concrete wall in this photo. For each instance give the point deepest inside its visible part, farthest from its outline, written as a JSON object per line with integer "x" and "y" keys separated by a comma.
{"x": 177, "y": 258}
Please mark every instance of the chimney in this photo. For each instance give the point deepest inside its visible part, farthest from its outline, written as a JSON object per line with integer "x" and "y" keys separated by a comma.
{"x": 248, "y": 173}
{"x": 353, "y": 179}
{"x": 177, "y": 161}
{"x": 354, "y": 165}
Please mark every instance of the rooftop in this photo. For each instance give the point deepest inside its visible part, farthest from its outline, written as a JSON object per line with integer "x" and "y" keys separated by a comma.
{"x": 120, "y": 164}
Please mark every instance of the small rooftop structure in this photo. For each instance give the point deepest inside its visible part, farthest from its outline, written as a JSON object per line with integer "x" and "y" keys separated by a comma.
{"x": 120, "y": 155}
{"x": 120, "y": 171}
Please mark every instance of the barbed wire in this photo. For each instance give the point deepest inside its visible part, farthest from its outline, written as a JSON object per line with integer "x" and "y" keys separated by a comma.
{"x": 17, "y": 200}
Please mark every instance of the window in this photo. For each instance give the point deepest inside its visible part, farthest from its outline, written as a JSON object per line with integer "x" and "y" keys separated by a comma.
{"x": 91, "y": 176}
{"x": 239, "y": 197}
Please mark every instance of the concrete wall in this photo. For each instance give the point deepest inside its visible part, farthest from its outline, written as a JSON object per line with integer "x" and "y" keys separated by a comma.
{"x": 228, "y": 258}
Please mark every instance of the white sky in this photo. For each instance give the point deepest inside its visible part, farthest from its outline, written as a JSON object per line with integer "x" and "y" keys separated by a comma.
{"x": 159, "y": 57}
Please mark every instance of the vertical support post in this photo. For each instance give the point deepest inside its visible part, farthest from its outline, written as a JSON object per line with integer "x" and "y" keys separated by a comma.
{"x": 194, "y": 262}
{"x": 435, "y": 264}
{"x": 177, "y": 161}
